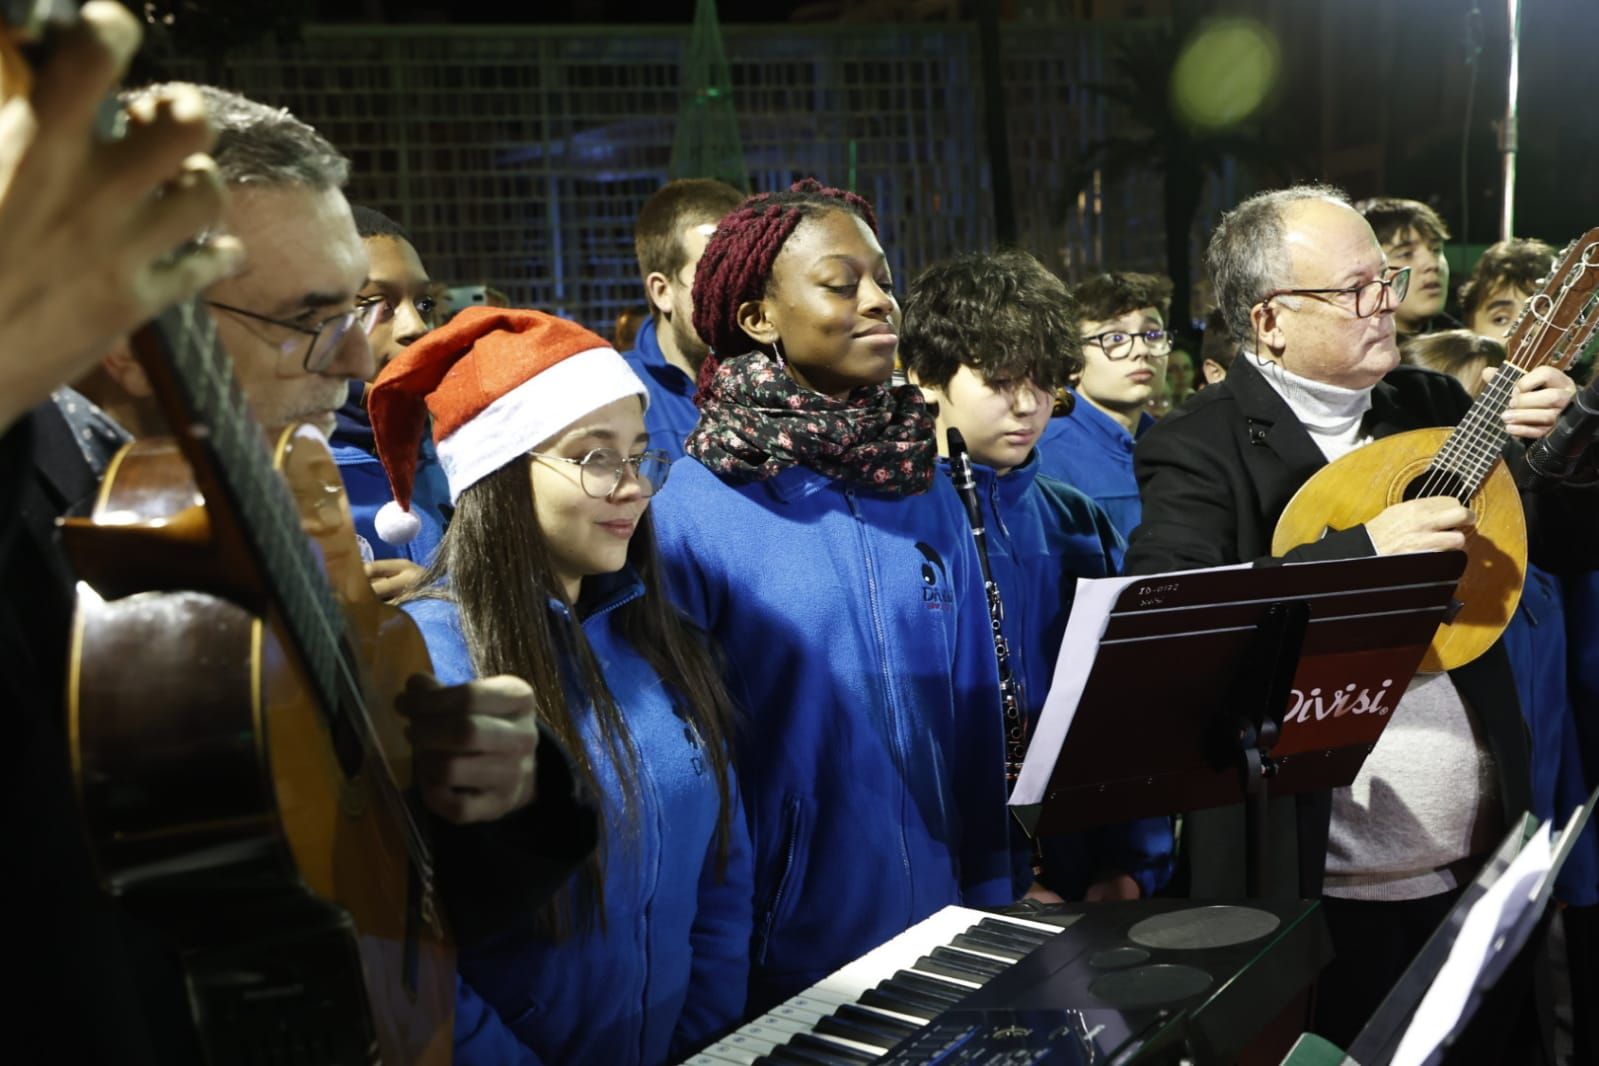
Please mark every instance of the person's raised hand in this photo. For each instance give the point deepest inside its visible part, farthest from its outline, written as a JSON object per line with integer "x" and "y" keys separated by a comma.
{"x": 89, "y": 225}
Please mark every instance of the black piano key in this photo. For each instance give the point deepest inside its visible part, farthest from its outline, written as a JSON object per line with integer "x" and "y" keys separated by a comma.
{"x": 833, "y": 1025}
{"x": 928, "y": 986}
{"x": 895, "y": 1000}
{"x": 984, "y": 965}
{"x": 816, "y": 1045}
{"x": 870, "y": 1019}
{"x": 1002, "y": 936}
{"x": 1021, "y": 932}
{"x": 981, "y": 942}
{"x": 959, "y": 971}
{"x": 786, "y": 1055}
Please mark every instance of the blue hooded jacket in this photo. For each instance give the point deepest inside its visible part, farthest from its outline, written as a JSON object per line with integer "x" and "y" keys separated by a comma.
{"x": 1091, "y": 452}
{"x": 367, "y": 486}
{"x": 671, "y": 415}
{"x": 1042, "y": 536}
{"x": 667, "y": 973}
{"x": 856, "y": 640}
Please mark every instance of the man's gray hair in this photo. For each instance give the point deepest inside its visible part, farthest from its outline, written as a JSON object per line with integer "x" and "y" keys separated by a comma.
{"x": 1246, "y": 256}
{"x": 261, "y": 145}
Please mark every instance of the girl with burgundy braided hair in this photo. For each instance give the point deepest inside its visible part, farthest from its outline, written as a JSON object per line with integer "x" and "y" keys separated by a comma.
{"x": 805, "y": 531}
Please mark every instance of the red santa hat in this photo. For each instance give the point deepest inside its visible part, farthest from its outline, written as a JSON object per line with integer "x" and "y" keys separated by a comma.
{"x": 498, "y": 382}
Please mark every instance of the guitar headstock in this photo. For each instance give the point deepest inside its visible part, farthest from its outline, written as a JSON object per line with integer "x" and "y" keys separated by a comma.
{"x": 1560, "y": 318}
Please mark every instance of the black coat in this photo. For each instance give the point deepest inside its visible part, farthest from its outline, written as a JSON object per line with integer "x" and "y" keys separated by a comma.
{"x": 1214, "y": 477}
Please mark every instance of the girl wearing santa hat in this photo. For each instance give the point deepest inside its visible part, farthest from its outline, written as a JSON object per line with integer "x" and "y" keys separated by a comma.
{"x": 548, "y": 571}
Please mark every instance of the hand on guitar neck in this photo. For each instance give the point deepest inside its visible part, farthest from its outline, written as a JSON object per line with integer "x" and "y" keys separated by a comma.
{"x": 1536, "y": 401}
{"x": 87, "y": 227}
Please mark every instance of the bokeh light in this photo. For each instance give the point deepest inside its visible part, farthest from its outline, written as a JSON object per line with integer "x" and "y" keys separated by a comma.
{"x": 1225, "y": 72}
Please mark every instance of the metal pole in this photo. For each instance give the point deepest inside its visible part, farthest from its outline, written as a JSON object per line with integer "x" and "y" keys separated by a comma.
{"x": 1507, "y": 133}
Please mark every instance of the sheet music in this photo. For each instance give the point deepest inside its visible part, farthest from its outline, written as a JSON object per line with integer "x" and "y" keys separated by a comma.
{"x": 1078, "y": 649}
{"x": 1501, "y": 909}
{"x": 1091, "y": 608}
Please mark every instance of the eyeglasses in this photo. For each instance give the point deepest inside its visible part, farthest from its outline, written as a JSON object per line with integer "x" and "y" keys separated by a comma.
{"x": 600, "y": 471}
{"x": 326, "y": 336}
{"x": 1118, "y": 345}
{"x": 382, "y": 308}
{"x": 1370, "y": 298}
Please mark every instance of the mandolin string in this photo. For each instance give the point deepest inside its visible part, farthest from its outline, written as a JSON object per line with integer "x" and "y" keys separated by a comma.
{"x": 218, "y": 378}
{"x": 1480, "y": 436}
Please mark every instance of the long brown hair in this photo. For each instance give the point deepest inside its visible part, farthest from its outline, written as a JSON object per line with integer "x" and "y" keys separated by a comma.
{"x": 494, "y": 563}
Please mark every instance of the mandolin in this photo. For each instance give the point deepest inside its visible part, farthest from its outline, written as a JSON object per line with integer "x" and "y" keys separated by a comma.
{"x": 1465, "y": 462}
{"x": 241, "y": 775}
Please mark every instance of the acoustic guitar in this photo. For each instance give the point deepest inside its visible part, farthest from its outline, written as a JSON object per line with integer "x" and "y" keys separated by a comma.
{"x": 1465, "y": 462}
{"x": 241, "y": 773}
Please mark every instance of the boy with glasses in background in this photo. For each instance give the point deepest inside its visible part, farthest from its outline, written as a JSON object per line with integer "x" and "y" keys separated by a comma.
{"x": 1122, "y": 324}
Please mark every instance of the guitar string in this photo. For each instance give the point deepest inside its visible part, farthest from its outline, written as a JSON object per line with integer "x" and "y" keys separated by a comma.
{"x": 1468, "y": 455}
{"x": 217, "y": 374}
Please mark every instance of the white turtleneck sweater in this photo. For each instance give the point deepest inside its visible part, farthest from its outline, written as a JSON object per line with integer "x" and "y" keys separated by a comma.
{"x": 1426, "y": 797}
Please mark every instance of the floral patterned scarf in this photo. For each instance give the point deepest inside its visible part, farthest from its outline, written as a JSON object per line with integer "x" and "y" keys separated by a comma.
{"x": 756, "y": 421}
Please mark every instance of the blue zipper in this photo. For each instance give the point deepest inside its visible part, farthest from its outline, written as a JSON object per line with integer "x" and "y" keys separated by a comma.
{"x": 895, "y": 717}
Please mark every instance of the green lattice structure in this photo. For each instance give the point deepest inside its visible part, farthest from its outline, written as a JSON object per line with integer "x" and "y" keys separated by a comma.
{"x": 706, "y": 142}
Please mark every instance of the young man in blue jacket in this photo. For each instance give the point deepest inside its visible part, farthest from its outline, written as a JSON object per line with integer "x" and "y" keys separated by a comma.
{"x": 987, "y": 337}
{"x": 397, "y": 298}
{"x": 669, "y": 238}
{"x": 1121, "y": 321}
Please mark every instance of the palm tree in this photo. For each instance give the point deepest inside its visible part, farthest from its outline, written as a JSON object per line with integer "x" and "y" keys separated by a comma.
{"x": 1157, "y": 138}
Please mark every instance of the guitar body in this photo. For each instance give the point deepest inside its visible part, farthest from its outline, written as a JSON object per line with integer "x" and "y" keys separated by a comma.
{"x": 219, "y": 801}
{"x": 1356, "y": 487}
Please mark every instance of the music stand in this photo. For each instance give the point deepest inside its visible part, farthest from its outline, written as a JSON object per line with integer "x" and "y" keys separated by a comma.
{"x": 1287, "y": 675}
{"x": 1382, "y": 1036}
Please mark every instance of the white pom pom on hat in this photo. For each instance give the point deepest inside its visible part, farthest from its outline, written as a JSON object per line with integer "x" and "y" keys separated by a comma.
{"x": 395, "y": 524}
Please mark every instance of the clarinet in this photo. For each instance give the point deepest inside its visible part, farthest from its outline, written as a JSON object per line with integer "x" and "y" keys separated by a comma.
{"x": 1010, "y": 694}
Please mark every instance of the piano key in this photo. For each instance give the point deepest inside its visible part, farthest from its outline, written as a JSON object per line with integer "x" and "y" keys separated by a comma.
{"x": 1017, "y": 930}
{"x": 928, "y": 985}
{"x": 803, "y": 1057}
{"x": 833, "y": 1046}
{"x": 866, "y": 1017}
{"x": 860, "y": 1034}
{"x": 901, "y": 1003}
{"x": 988, "y": 946}
{"x": 976, "y": 968}
{"x": 886, "y": 995}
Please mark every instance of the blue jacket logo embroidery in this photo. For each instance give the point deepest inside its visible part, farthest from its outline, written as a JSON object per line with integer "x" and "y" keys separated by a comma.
{"x": 935, "y": 579}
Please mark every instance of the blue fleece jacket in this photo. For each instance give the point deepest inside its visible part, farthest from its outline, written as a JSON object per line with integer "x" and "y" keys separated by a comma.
{"x": 367, "y": 486}
{"x": 1091, "y": 451}
{"x": 672, "y": 414}
{"x": 856, "y": 637}
{"x": 667, "y": 973}
{"x": 1578, "y": 883}
{"x": 1042, "y": 536}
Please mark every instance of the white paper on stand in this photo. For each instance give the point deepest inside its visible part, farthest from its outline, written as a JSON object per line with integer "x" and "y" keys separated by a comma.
{"x": 1091, "y": 607}
{"x": 1499, "y": 909}
{"x": 1090, "y": 614}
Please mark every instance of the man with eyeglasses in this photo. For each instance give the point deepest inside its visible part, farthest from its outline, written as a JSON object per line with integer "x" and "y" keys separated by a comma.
{"x": 1121, "y": 319}
{"x": 506, "y": 822}
{"x": 1307, "y": 291}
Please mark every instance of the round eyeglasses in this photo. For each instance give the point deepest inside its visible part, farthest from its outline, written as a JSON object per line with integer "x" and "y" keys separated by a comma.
{"x": 1119, "y": 345}
{"x": 326, "y": 336}
{"x": 1370, "y": 297}
{"x": 600, "y": 471}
